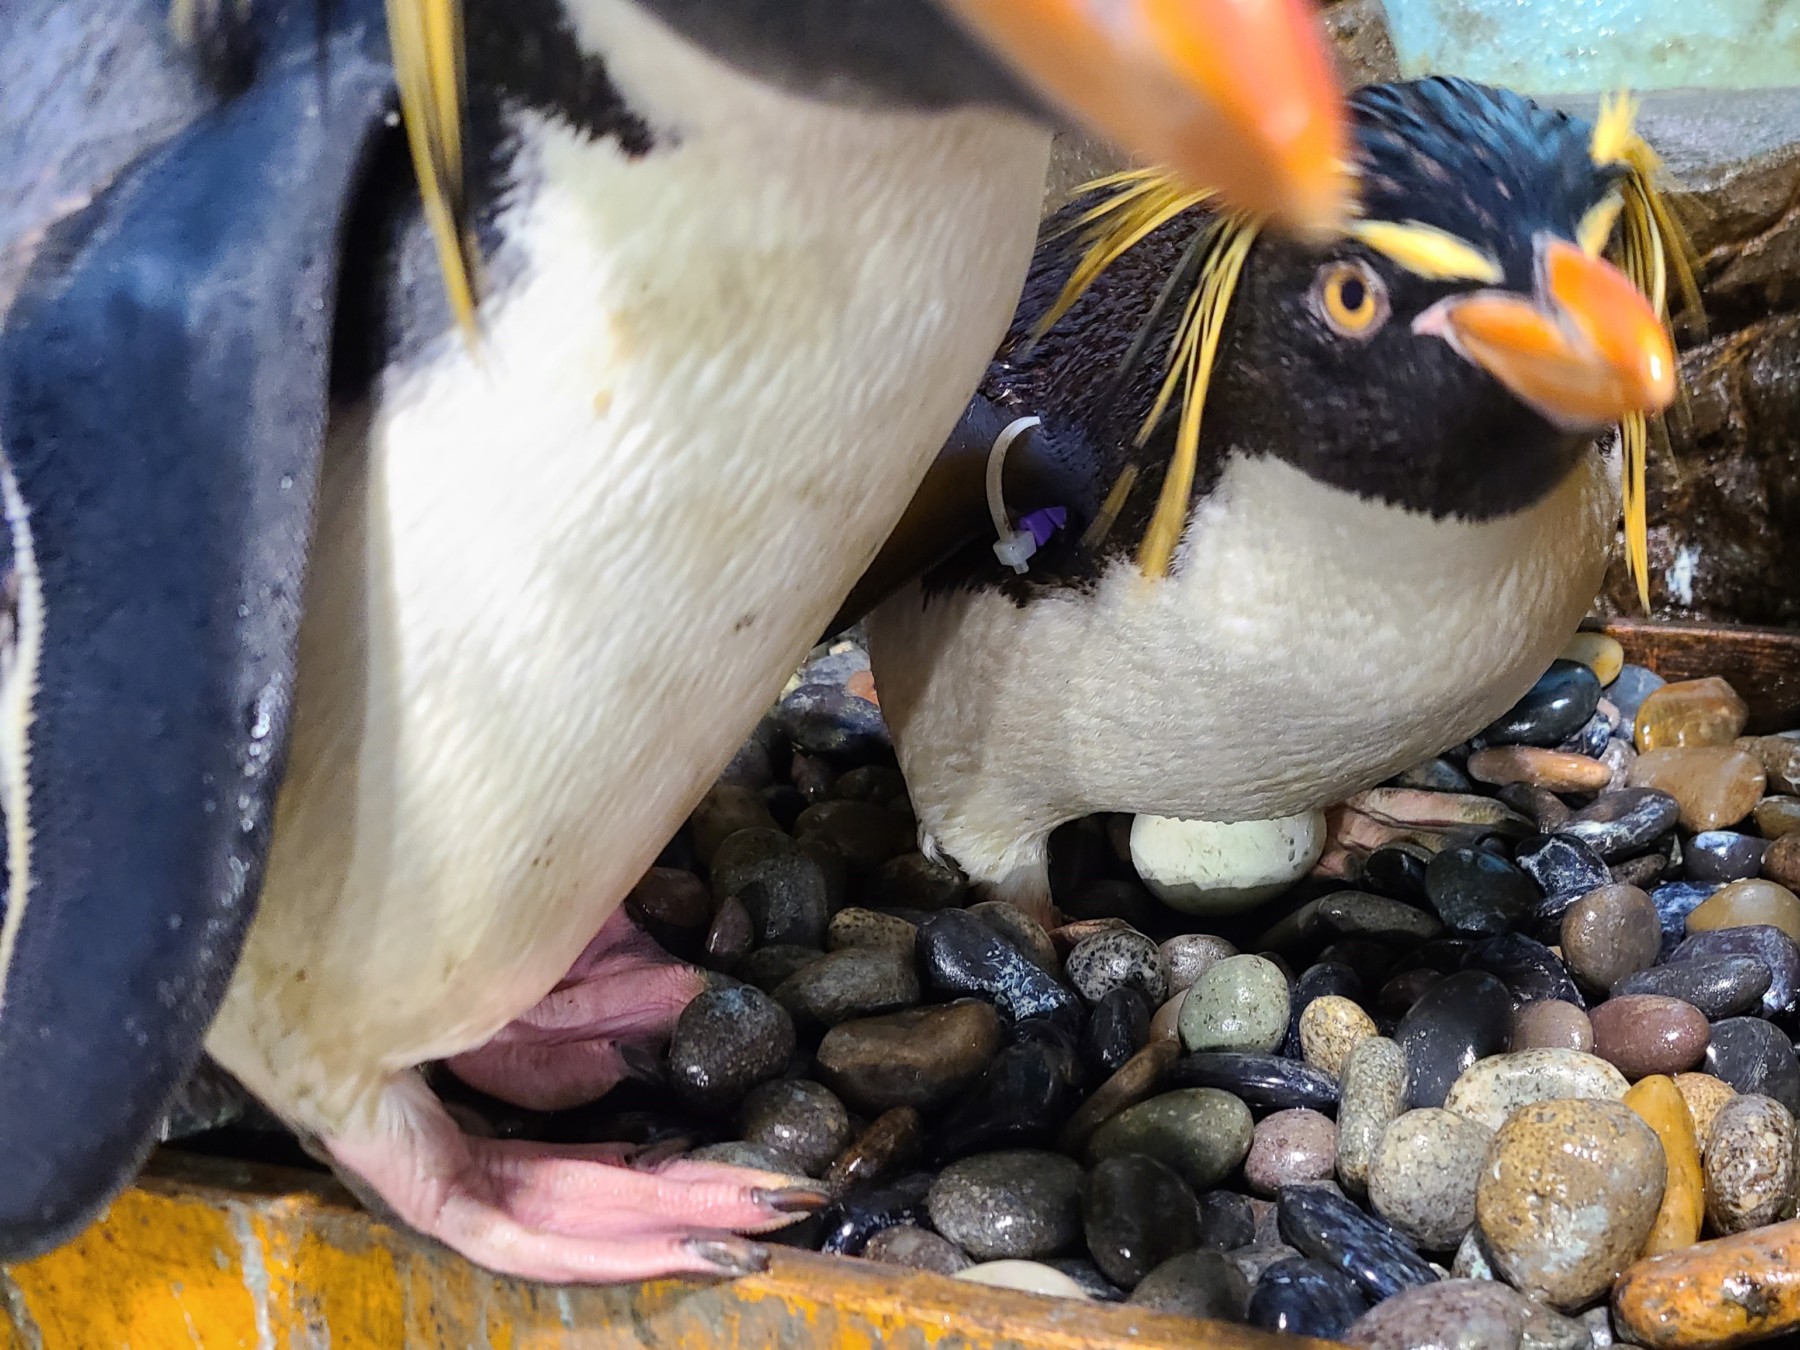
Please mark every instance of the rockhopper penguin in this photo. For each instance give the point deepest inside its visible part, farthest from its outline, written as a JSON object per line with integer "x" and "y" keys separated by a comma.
{"x": 1391, "y": 515}
{"x": 414, "y": 626}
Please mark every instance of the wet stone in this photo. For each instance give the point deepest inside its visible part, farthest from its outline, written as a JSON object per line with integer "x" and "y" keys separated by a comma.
{"x": 1526, "y": 967}
{"x": 1562, "y": 700}
{"x": 1263, "y": 1082}
{"x": 1630, "y": 688}
{"x": 743, "y": 1153}
{"x": 1327, "y": 979}
{"x": 1434, "y": 775}
{"x": 1749, "y": 1164}
{"x": 1201, "y": 1133}
{"x": 962, "y": 955}
{"x": 1020, "y": 929}
{"x": 1226, "y": 1221}
{"x": 1405, "y": 989}
{"x": 1291, "y": 1148}
{"x": 1561, "y": 867}
{"x": 1460, "y": 1019}
{"x": 1644, "y": 1034}
{"x": 1464, "y": 1314}
{"x": 1552, "y": 770}
{"x": 722, "y": 812}
{"x": 1477, "y": 893}
{"x": 1723, "y": 855}
{"x": 1780, "y": 758}
{"x": 1374, "y": 1093}
{"x": 1590, "y": 743}
{"x": 1769, "y": 945}
{"x": 878, "y": 783}
{"x": 800, "y": 1118}
{"x": 1745, "y": 904}
{"x": 1618, "y": 825}
{"x": 725, "y": 1043}
{"x": 1117, "y": 1028}
{"x": 1643, "y": 871}
{"x": 1086, "y": 1274}
{"x": 1775, "y": 817}
{"x": 1136, "y": 1214}
{"x": 1683, "y": 1206}
{"x": 1705, "y": 712}
{"x": 913, "y": 881}
{"x": 1715, "y": 786}
{"x": 829, "y": 719}
{"x": 1305, "y": 1298}
{"x": 1609, "y": 933}
{"x": 1782, "y": 862}
{"x": 1674, "y": 901}
{"x": 1424, "y": 1175}
{"x": 1137, "y": 1079}
{"x": 1494, "y": 1088}
{"x": 1240, "y": 1003}
{"x": 729, "y": 938}
{"x": 1544, "y": 809}
{"x": 1330, "y": 1028}
{"x": 890, "y": 1142}
{"x": 916, "y": 1249}
{"x": 1599, "y": 653}
{"x": 856, "y": 982}
{"x": 1705, "y": 1096}
{"x": 1567, "y": 1196}
{"x": 1618, "y": 756}
{"x": 1018, "y": 1203}
{"x": 853, "y": 1219}
{"x": 1551, "y": 1024}
{"x": 1190, "y": 955}
{"x": 1195, "y": 1284}
{"x": 1124, "y": 960}
{"x": 1325, "y": 1226}
{"x": 1370, "y": 961}
{"x": 1358, "y": 914}
{"x": 674, "y": 906}
{"x": 921, "y": 1057}
{"x": 1723, "y": 986}
{"x": 782, "y": 887}
{"x": 768, "y": 968}
{"x": 854, "y": 927}
{"x": 1259, "y": 1255}
{"x": 1753, "y": 1057}
{"x": 1020, "y": 1099}
{"x": 1398, "y": 872}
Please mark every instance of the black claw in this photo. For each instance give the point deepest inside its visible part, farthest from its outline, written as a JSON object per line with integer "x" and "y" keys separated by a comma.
{"x": 730, "y": 1256}
{"x": 793, "y": 1200}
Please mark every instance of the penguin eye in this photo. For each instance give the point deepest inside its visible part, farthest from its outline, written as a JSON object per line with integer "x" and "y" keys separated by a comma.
{"x": 1351, "y": 299}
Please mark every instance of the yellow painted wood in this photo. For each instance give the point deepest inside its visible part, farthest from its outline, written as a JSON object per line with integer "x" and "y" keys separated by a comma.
{"x": 220, "y": 1255}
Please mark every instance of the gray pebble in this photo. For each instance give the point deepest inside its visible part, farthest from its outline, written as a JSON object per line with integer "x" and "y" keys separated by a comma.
{"x": 1241, "y": 1004}
{"x": 743, "y": 1153}
{"x": 1018, "y": 1203}
{"x": 725, "y": 1043}
{"x": 1449, "y": 1315}
{"x": 783, "y": 887}
{"x": 1195, "y": 1284}
{"x": 1290, "y": 1148}
{"x": 1253, "y": 1260}
{"x": 802, "y": 1119}
{"x": 1472, "y": 1261}
{"x": 1122, "y": 960}
{"x": 917, "y": 1249}
{"x": 1190, "y": 955}
{"x": 1373, "y": 1095}
{"x": 1424, "y": 1175}
{"x": 854, "y": 927}
{"x": 1202, "y": 1133}
{"x": 856, "y": 982}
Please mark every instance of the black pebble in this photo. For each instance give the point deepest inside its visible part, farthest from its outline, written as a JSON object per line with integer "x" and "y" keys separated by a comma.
{"x": 725, "y": 1043}
{"x": 961, "y": 955}
{"x": 1723, "y": 855}
{"x": 1227, "y": 1221}
{"x": 1263, "y": 1082}
{"x": 781, "y": 885}
{"x": 1137, "y": 1213}
{"x": 1752, "y": 1056}
{"x": 1477, "y": 893}
{"x": 1768, "y": 944}
{"x": 1529, "y": 969}
{"x": 1719, "y": 986}
{"x": 1620, "y": 824}
{"x": 1020, "y": 1100}
{"x": 1460, "y": 1019}
{"x": 1554, "y": 708}
{"x": 1674, "y": 901}
{"x": 1305, "y": 1298}
{"x": 828, "y": 719}
{"x": 1396, "y": 873}
{"x": 1195, "y": 1284}
{"x": 851, "y": 1221}
{"x": 1117, "y": 1029}
{"x": 1325, "y": 1226}
{"x": 1564, "y": 870}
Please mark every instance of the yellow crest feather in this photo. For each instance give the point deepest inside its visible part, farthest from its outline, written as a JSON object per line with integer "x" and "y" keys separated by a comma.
{"x": 1426, "y": 251}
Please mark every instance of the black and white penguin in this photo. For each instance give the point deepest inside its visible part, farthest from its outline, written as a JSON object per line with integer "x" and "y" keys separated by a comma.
{"x": 417, "y": 638}
{"x": 1393, "y": 513}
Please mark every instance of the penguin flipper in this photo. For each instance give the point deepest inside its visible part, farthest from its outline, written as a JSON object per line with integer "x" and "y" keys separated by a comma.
{"x": 163, "y": 386}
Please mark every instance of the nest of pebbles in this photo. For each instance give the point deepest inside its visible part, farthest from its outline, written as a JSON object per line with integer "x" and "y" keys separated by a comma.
{"x": 1528, "y": 1022}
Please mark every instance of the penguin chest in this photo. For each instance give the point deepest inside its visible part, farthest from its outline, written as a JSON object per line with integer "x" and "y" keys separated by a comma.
{"x": 557, "y": 580}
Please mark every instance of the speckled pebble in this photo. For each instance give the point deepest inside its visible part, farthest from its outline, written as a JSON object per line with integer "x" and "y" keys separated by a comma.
{"x": 1240, "y": 1003}
{"x": 917, "y": 1249}
{"x": 853, "y": 927}
{"x": 725, "y": 1043}
{"x": 1289, "y": 1148}
{"x": 855, "y": 982}
{"x": 1372, "y": 1095}
{"x": 1567, "y": 1196}
{"x": 1492, "y": 1089}
{"x": 1189, "y": 955}
{"x": 1753, "y": 1056}
{"x": 1330, "y": 1028}
{"x": 1550, "y": 1024}
{"x": 1120, "y": 960}
{"x": 1019, "y": 928}
{"x": 1705, "y": 1095}
{"x": 1195, "y": 1284}
{"x": 1424, "y": 1175}
{"x": 1329, "y": 1228}
{"x": 1749, "y": 1164}
{"x": 1451, "y": 1315}
{"x": 1643, "y": 1034}
{"x": 1200, "y": 1132}
{"x": 801, "y": 1118}
{"x": 1016, "y": 1203}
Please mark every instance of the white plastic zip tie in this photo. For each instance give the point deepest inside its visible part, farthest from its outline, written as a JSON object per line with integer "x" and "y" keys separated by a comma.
{"x": 1014, "y": 547}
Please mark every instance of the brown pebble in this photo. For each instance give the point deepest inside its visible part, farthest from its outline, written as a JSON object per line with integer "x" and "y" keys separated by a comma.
{"x": 889, "y": 1143}
{"x": 1550, "y": 1024}
{"x": 1611, "y": 932}
{"x": 1691, "y": 713}
{"x": 1599, "y": 653}
{"x": 1404, "y": 989}
{"x": 1642, "y": 1034}
{"x": 1780, "y": 757}
{"x": 1714, "y": 1294}
{"x": 1136, "y": 1080}
{"x": 1165, "y": 1023}
{"x": 1330, "y": 1027}
{"x": 921, "y": 1057}
{"x": 671, "y": 897}
{"x": 916, "y": 1249}
{"x": 1782, "y": 862}
{"x": 1715, "y": 786}
{"x": 1746, "y": 903}
{"x": 1071, "y": 935}
{"x": 1777, "y": 816}
{"x": 1749, "y": 1164}
{"x": 728, "y": 940}
{"x": 1704, "y": 1095}
{"x": 1290, "y": 1148}
{"x": 722, "y": 812}
{"x": 1552, "y": 770}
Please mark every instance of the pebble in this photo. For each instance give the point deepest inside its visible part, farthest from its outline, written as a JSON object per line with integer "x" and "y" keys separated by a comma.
{"x": 1623, "y": 823}
{"x": 1774, "y": 948}
{"x": 1471, "y": 1260}
{"x": 730, "y": 937}
{"x": 1643, "y": 1034}
{"x": 1609, "y": 933}
{"x": 855, "y": 1217}
{"x": 913, "y": 881}
{"x": 1020, "y": 929}
{"x": 1322, "y": 1224}
{"x": 1738, "y": 1289}
{"x": 1202, "y": 1133}
{"x": 1777, "y": 817}
{"x": 1599, "y": 653}
{"x": 1562, "y": 700}
{"x": 1195, "y": 1284}
{"x": 1136, "y": 1080}
{"x": 1086, "y": 1274}
{"x": 922, "y": 1057}
{"x": 1567, "y": 1197}
{"x": 1478, "y": 893}
{"x": 1374, "y": 1094}
{"x": 1459, "y": 1020}
{"x": 962, "y": 955}
{"x": 1721, "y": 986}
{"x": 743, "y": 1153}
{"x": 1265, "y": 1082}
{"x": 1674, "y": 901}
{"x": 1683, "y": 1207}
{"x": 891, "y": 1142}
{"x": 1398, "y": 870}
{"x": 1550, "y": 1024}
{"x": 768, "y": 968}
{"x": 1629, "y": 689}
{"x": 1290, "y": 1148}
{"x": 1491, "y": 1090}
{"x": 1618, "y": 756}
{"x": 1723, "y": 855}
{"x": 1715, "y": 786}
{"x": 917, "y": 1249}
{"x": 1782, "y": 862}
{"x": 782, "y": 887}
{"x": 1033, "y": 1083}
{"x": 1529, "y": 969}
{"x": 1704, "y": 1095}
{"x": 1553, "y": 770}
{"x": 1591, "y": 741}
{"x": 1562, "y": 868}
{"x": 1752, "y": 1056}
{"x": 1744, "y": 904}
{"x": 1189, "y": 956}
{"x": 1117, "y": 1029}
{"x": 1226, "y": 1221}
{"x": 800, "y": 1118}
{"x": 1305, "y": 1298}
{"x": 1359, "y": 914}
{"x": 1464, "y": 1314}
{"x": 674, "y": 906}
{"x": 1423, "y": 1178}
{"x": 855, "y": 982}
{"x": 721, "y": 813}
{"x": 1330, "y": 1028}
{"x": 1750, "y": 1164}
{"x": 856, "y": 928}
{"x": 1322, "y": 979}
{"x": 1123, "y": 960}
{"x": 726, "y": 1042}
{"x": 1704, "y": 712}
{"x": 1137, "y": 1213}
{"x": 1029, "y": 1277}
{"x": 1240, "y": 1003}
{"x": 1206, "y": 867}
{"x": 1016, "y": 1203}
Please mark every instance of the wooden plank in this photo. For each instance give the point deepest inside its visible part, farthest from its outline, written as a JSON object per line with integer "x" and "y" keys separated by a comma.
{"x": 211, "y": 1253}
{"x": 1762, "y": 664}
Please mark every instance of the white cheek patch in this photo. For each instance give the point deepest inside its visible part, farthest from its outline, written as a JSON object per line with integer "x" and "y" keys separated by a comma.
{"x": 21, "y": 645}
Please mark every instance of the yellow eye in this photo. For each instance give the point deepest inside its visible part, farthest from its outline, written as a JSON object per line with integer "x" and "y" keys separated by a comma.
{"x": 1350, "y": 298}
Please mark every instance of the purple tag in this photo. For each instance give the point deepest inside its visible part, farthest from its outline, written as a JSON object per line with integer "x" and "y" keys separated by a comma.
{"x": 1045, "y": 523}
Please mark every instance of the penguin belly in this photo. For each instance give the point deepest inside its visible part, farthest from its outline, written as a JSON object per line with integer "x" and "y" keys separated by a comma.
{"x": 556, "y": 581}
{"x": 1309, "y": 643}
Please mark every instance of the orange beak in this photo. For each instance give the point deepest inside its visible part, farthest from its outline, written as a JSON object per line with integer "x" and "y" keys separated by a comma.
{"x": 1585, "y": 352}
{"x": 1236, "y": 95}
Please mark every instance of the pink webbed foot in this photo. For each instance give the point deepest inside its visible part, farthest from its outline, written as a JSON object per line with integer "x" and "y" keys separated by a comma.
{"x": 590, "y": 1214}
{"x": 615, "y": 1007}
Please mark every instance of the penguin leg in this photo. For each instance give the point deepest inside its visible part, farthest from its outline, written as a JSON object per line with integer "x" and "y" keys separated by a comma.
{"x": 569, "y": 1213}
{"x": 601, "y": 1024}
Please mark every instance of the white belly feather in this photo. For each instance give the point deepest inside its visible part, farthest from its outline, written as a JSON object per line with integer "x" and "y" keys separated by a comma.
{"x": 1309, "y": 643}
{"x": 554, "y": 586}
